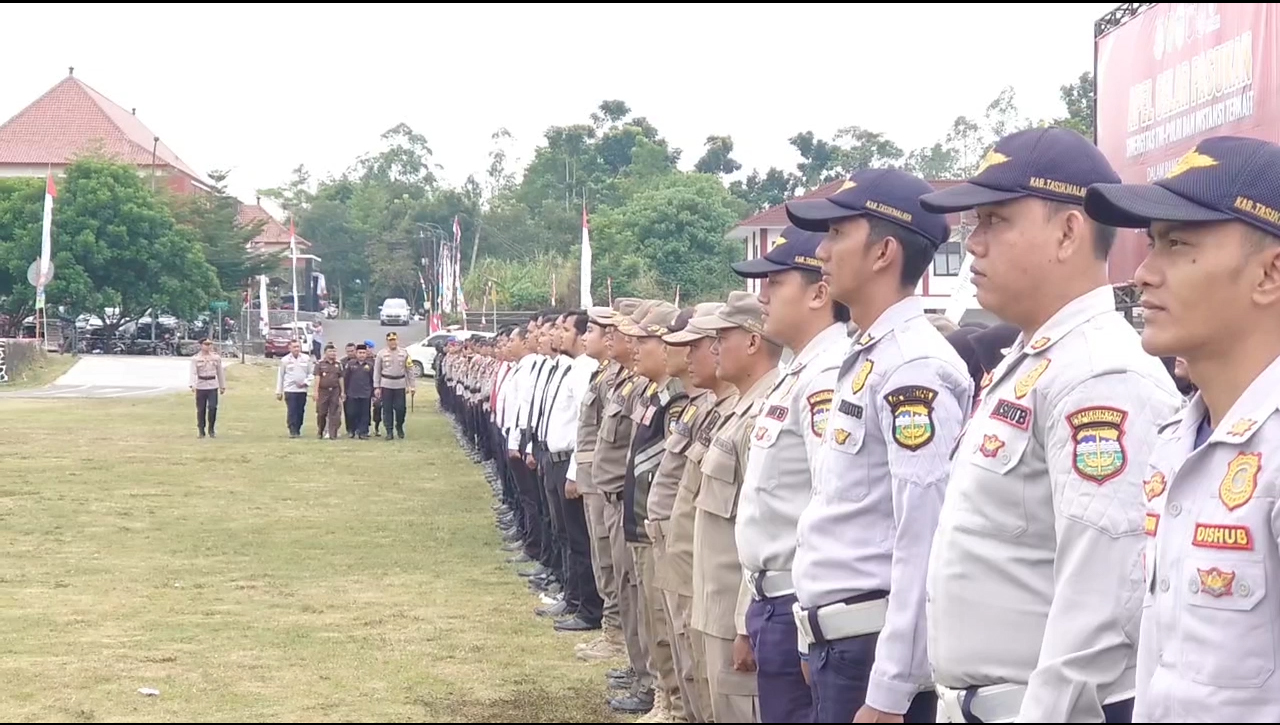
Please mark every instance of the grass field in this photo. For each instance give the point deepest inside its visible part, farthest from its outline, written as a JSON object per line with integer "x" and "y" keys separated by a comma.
{"x": 254, "y": 577}
{"x": 42, "y": 373}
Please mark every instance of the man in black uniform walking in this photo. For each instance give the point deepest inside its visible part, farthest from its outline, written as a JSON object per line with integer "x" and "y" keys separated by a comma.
{"x": 357, "y": 384}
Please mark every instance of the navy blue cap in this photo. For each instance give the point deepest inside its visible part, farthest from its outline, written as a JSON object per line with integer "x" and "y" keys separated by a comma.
{"x": 1050, "y": 163}
{"x": 1223, "y": 178}
{"x": 793, "y": 249}
{"x": 889, "y": 194}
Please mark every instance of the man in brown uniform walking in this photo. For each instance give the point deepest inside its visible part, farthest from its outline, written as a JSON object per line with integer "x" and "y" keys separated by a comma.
{"x": 328, "y": 395}
{"x": 207, "y": 380}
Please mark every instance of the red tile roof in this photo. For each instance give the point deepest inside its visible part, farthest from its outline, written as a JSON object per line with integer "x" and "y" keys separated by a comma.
{"x": 72, "y": 118}
{"x": 776, "y": 217}
{"x": 273, "y": 234}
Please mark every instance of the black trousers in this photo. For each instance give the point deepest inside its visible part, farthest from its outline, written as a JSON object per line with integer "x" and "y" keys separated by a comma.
{"x": 206, "y": 409}
{"x": 393, "y": 408}
{"x": 552, "y": 479}
{"x": 348, "y": 416}
{"x": 358, "y": 416}
{"x": 581, "y": 582}
{"x": 296, "y": 405}
{"x": 527, "y": 486}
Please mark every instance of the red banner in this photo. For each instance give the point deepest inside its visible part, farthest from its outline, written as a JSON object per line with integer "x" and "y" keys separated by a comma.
{"x": 1175, "y": 74}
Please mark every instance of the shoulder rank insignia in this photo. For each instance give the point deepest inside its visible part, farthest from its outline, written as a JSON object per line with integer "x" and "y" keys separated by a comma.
{"x": 627, "y": 386}
{"x": 1028, "y": 381}
{"x": 819, "y": 411}
{"x": 860, "y": 378}
{"x": 689, "y": 414}
{"x": 653, "y": 388}
{"x": 1098, "y": 433}
{"x": 1241, "y": 481}
{"x": 1241, "y": 427}
{"x": 1154, "y": 486}
{"x": 912, "y": 410}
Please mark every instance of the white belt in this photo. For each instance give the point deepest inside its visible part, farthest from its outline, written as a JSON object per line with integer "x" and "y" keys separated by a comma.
{"x": 842, "y": 621}
{"x": 992, "y": 703}
{"x": 770, "y": 584}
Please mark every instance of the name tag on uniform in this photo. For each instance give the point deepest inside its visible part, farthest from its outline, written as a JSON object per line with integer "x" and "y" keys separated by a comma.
{"x": 777, "y": 412}
{"x": 648, "y": 415}
{"x": 850, "y": 408}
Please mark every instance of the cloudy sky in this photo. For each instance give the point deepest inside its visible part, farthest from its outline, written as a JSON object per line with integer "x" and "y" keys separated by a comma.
{"x": 259, "y": 89}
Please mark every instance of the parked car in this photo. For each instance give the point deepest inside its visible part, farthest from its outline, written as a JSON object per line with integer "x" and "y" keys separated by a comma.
{"x": 423, "y": 352}
{"x": 395, "y": 311}
{"x": 279, "y": 337}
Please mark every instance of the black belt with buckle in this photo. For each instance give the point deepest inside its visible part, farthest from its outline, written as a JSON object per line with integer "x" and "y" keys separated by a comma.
{"x": 560, "y": 457}
{"x": 207, "y": 377}
{"x": 394, "y": 377}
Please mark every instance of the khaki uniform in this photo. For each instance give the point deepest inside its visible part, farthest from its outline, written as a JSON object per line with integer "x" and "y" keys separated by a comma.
{"x": 608, "y": 472}
{"x": 717, "y": 573}
{"x": 592, "y": 412}
{"x": 328, "y": 397}
{"x": 392, "y": 377}
{"x": 207, "y": 377}
{"x": 686, "y": 445}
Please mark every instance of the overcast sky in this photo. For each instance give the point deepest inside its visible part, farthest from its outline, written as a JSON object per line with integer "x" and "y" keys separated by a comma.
{"x": 259, "y": 89}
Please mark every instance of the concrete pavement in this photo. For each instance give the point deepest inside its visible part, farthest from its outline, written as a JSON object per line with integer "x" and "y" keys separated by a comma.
{"x": 118, "y": 376}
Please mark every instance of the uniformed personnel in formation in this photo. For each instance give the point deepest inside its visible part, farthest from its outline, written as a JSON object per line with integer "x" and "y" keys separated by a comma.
{"x": 1211, "y": 296}
{"x": 808, "y": 505}
{"x": 208, "y": 379}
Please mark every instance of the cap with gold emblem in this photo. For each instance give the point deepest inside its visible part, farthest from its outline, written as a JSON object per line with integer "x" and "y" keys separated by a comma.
{"x": 608, "y": 316}
{"x": 692, "y": 332}
{"x": 743, "y": 310}
{"x": 392, "y": 336}
{"x": 627, "y": 324}
{"x": 655, "y": 324}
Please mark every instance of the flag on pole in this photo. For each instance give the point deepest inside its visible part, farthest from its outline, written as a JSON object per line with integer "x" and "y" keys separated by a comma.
{"x": 584, "y": 272}
{"x": 264, "y": 322}
{"x": 46, "y": 247}
{"x": 677, "y": 295}
{"x": 457, "y": 270}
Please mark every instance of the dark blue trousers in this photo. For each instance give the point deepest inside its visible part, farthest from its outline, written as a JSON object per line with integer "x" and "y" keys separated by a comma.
{"x": 784, "y": 695}
{"x": 840, "y": 671}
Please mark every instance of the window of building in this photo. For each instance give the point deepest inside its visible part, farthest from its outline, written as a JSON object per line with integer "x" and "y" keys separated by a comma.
{"x": 946, "y": 261}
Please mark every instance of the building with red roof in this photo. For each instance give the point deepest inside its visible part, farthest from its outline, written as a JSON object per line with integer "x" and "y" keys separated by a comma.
{"x": 758, "y": 232}
{"x": 72, "y": 119}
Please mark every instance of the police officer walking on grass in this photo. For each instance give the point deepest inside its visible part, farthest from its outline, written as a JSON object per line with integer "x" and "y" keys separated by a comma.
{"x": 392, "y": 379}
{"x": 1211, "y": 296}
{"x": 880, "y": 475}
{"x": 800, "y": 313}
{"x": 207, "y": 380}
{"x": 1035, "y": 579}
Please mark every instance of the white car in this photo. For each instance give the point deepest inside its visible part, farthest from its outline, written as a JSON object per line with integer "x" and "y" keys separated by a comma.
{"x": 423, "y": 352}
{"x": 394, "y": 311}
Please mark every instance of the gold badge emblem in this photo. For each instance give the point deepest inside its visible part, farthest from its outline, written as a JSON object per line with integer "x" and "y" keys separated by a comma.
{"x": 1040, "y": 343}
{"x": 1216, "y": 582}
{"x": 1241, "y": 427}
{"x": 1154, "y": 486}
{"x": 860, "y": 378}
{"x": 1241, "y": 481}
{"x": 1028, "y": 381}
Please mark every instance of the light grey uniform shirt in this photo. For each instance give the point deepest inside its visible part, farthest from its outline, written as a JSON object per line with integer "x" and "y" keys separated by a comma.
{"x": 1210, "y": 634}
{"x": 1036, "y": 574}
{"x": 878, "y": 484}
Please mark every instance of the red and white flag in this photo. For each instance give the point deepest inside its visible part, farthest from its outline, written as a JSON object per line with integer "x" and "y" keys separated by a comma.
{"x": 46, "y": 232}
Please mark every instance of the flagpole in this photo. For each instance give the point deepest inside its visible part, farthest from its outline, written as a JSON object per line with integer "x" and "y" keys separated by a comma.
{"x": 293, "y": 256}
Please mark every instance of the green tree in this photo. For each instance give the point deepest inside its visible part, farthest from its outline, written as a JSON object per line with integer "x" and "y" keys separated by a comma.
{"x": 115, "y": 246}
{"x": 295, "y": 195}
{"x": 763, "y": 192}
{"x": 21, "y": 215}
{"x": 718, "y": 157}
{"x": 1079, "y": 98}
{"x": 852, "y": 149}
{"x": 676, "y": 228}
{"x": 213, "y": 219}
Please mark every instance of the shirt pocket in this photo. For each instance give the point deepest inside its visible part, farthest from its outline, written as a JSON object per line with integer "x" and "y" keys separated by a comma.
{"x": 1228, "y": 639}
{"x": 993, "y": 500}
{"x": 844, "y": 473}
{"x": 610, "y": 422}
{"x": 676, "y": 443}
{"x": 719, "y": 492}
